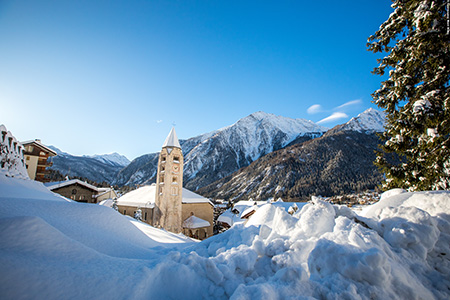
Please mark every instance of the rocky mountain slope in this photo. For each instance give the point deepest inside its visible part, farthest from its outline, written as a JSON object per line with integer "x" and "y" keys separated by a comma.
{"x": 338, "y": 162}
{"x": 333, "y": 164}
{"x": 112, "y": 159}
{"x": 96, "y": 169}
{"x": 308, "y": 161}
{"x": 217, "y": 154}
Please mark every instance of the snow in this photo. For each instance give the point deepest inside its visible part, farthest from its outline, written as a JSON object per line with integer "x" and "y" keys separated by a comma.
{"x": 54, "y": 248}
{"x": 112, "y": 159}
{"x": 248, "y": 139}
{"x": 369, "y": 120}
{"x": 172, "y": 140}
{"x": 236, "y": 214}
{"x": 195, "y": 222}
{"x": 56, "y": 185}
{"x": 145, "y": 197}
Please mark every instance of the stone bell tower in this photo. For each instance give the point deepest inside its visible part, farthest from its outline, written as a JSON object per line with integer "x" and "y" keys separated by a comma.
{"x": 169, "y": 184}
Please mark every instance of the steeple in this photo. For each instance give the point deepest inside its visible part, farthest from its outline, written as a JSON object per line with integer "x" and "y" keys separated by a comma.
{"x": 169, "y": 184}
{"x": 172, "y": 140}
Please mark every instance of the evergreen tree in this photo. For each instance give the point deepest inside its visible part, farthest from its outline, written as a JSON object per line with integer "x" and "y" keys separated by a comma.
{"x": 138, "y": 214}
{"x": 415, "y": 96}
{"x": 114, "y": 206}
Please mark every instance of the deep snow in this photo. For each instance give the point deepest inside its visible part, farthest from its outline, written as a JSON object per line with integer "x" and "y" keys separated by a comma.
{"x": 53, "y": 248}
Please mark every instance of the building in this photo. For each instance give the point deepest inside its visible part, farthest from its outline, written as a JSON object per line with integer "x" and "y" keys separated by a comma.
{"x": 169, "y": 182}
{"x": 37, "y": 159}
{"x": 81, "y": 191}
{"x": 166, "y": 204}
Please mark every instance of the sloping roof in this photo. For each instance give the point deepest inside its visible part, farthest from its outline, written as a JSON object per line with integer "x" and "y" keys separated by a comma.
{"x": 145, "y": 197}
{"x": 40, "y": 146}
{"x": 194, "y": 222}
{"x": 142, "y": 197}
{"x": 172, "y": 140}
{"x": 56, "y": 185}
{"x": 191, "y": 197}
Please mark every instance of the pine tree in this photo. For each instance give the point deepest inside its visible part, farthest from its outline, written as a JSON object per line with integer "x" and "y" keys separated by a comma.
{"x": 138, "y": 214}
{"x": 416, "y": 38}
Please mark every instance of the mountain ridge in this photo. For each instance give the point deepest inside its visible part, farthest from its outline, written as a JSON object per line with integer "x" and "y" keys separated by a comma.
{"x": 215, "y": 155}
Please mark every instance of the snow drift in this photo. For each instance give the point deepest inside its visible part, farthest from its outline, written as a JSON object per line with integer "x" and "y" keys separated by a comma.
{"x": 57, "y": 249}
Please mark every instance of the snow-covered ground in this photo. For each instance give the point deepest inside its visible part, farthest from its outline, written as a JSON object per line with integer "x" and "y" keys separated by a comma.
{"x": 52, "y": 248}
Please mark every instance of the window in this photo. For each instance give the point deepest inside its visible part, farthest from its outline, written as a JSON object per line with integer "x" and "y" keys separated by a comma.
{"x": 161, "y": 179}
{"x": 74, "y": 191}
{"x": 176, "y": 158}
{"x": 174, "y": 179}
{"x": 174, "y": 191}
{"x": 163, "y": 168}
{"x": 145, "y": 216}
{"x": 163, "y": 159}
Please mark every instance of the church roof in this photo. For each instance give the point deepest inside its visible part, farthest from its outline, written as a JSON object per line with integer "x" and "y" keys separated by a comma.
{"x": 172, "y": 140}
{"x": 145, "y": 197}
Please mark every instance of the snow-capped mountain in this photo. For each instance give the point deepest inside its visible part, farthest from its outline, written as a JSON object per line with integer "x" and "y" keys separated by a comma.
{"x": 226, "y": 150}
{"x": 218, "y": 154}
{"x": 112, "y": 158}
{"x": 214, "y": 155}
{"x": 370, "y": 120}
{"x": 339, "y": 162}
{"x": 95, "y": 169}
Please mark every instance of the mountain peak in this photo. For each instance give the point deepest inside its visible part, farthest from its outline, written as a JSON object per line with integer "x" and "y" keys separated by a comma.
{"x": 370, "y": 120}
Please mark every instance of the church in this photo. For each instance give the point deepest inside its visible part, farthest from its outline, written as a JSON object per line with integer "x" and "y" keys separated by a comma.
{"x": 166, "y": 204}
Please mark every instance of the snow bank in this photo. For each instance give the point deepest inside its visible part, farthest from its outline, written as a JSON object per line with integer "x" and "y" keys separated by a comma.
{"x": 325, "y": 252}
{"x": 396, "y": 249}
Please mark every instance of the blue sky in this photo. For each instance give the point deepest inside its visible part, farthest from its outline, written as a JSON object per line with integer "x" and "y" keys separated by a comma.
{"x": 94, "y": 77}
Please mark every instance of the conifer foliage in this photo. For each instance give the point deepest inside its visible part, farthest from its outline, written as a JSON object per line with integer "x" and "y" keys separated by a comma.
{"x": 415, "y": 96}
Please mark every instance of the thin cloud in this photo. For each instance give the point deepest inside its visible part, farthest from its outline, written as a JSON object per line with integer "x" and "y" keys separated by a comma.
{"x": 349, "y": 103}
{"x": 159, "y": 121}
{"x": 314, "y": 109}
{"x": 334, "y": 117}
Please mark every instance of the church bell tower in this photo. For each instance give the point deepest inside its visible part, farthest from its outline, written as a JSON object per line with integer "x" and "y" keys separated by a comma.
{"x": 169, "y": 185}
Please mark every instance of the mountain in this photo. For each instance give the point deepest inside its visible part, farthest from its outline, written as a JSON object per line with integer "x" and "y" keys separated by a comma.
{"x": 225, "y": 151}
{"x": 98, "y": 170}
{"x": 211, "y": 159}
{"x": 112, "y": 159}
{"x": 214, "y": 155}
{"x": 139, "y": 171}
{"x": 370, "y": 120}
{"x": 340, "y": 161}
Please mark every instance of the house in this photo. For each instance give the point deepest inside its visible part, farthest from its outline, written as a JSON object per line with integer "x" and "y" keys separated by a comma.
{"x": 166, "y": 204}
{"x": 37, "y": 157}
{"x": 81, "y": 191}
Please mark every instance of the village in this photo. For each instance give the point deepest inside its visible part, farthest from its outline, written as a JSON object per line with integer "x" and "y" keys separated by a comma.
{"x": 166, "y": 204}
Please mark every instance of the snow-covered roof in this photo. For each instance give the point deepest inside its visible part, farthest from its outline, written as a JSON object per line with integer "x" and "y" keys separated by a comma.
{"x": 107, "y": 203}
{"x": 56, "y": 185}
{"x": 103, "y": 191}
{"x": 194, "y": 222}
{"x": 39, "y": 145}
{"x": 172, "y": 140}
{"x": 145, "y": 197}
{"x": 191, "y": 197}
{"x": 142, "y": 197}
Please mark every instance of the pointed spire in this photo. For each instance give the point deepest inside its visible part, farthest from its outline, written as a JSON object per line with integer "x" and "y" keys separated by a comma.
{"x": 172, "y": 140}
